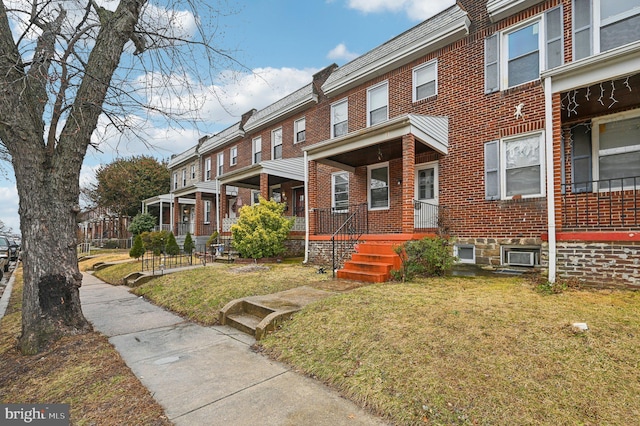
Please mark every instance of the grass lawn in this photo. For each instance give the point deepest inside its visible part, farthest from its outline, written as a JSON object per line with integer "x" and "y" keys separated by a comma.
{"x": 473, "y": 351}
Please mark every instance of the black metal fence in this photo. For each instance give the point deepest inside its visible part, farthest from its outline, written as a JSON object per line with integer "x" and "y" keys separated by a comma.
{"x": 328, "y": 221}
{"x": 347, "y": 234}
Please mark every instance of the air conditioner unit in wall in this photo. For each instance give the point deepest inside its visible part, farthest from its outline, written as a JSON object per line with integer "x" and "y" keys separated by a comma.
{"x": 521, "y": 258}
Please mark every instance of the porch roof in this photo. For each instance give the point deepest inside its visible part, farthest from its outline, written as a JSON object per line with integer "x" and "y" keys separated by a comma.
{"x": 355, "y": 149}
{"x": 281, "y": 170}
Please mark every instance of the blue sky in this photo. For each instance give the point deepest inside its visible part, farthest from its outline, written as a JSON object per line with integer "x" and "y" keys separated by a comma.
{"x": 284, "y": 42}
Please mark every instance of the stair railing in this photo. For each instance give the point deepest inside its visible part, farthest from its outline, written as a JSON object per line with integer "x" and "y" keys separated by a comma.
{"x": 348, "y": 234}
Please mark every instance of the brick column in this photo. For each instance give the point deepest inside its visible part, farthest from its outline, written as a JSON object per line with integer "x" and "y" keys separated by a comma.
{"x": 199, "y": 216}
{"x": 313, "y": 196}
{"x": 264, "y": 185}
{"x": 177, "y": 212}
{"x": 408, "y": 182}
{"x": 223, "y": 202}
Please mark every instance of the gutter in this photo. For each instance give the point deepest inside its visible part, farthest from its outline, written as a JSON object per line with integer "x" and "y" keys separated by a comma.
{"x": 306, "y": 209}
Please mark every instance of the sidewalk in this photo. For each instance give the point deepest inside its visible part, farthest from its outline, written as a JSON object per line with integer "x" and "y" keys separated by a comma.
{"x": 209, "y": 375}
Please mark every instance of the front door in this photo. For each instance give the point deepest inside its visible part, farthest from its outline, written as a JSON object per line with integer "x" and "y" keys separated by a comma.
{"x": 298, "y": 202}
{"x": 426, "y": 204}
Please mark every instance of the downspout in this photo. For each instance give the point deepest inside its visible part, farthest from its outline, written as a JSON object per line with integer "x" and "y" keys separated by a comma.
{"x": 218, "y": 207}
{"x": 551, "y": 203}
{"x": 306, "y": 209}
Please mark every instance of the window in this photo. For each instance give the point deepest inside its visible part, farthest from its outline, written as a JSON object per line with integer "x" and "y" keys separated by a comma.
{"x": 175, "y": 180}
{"x": 514, "y": 167}
{"x": 339, "y": 119}
{"x": 425, "y": 81}
{"x": 193, "y": 172}
{"x": 220, "y": 163}
{"x": 276, "y": 194}
{"x": 207, "y": 211}
{"x": 466, "y": 253}
{"x": 207, "y": 169}
{"x": 378, "y": 186}
{"x": 601, "y": 25}
{"x": 276, "y": 144}
{"x": 299, "y": 130}
{"x": 255, "y": 197}
{"x": 340, "y": 191}
{"x": 184, "y": 177}
{"x": 257, "y": 150}
{"x": 233, "y": 156}
{"x": 378, "y": 104}
{"x": 517, "y": 56}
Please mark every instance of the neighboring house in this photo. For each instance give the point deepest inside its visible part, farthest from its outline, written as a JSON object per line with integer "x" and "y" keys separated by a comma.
{"x": 99, "y": 224}
{"x": 512, "y": 126}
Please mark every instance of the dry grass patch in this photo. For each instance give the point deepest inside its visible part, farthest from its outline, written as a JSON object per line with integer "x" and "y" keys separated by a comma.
{"x": 115, "y": 274}
{"x": 87, "y": 264}
{"x": 473, "y": 351}
{"x": 199, "y": 294}
{"x": 84, "y": 371}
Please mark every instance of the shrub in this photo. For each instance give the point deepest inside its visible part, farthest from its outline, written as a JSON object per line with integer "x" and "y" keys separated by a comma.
{"x": 172, "y": 248}
{"x": 188, "y": 243}
{"x": 427, "y": 257}
{"x": 143, "y": 222}
{"x": 155, "y": 241}
{"x": 213, "y": 239}
{"x": 137, "y": 249}
{"x": 261, "y": 230}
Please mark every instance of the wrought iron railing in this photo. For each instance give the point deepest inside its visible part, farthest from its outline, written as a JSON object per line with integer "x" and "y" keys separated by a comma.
{"x": 345, "y": 237}
{"x": 605, "y": 203}
{"x": 329, "y": 220}
{"x": 426, "y": 215}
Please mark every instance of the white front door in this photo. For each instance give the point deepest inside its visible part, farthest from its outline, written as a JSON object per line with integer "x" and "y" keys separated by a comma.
{"x": 426, "y": 205}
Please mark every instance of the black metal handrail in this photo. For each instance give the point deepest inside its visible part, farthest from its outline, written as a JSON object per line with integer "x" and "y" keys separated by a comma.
{"x": 348, "y": 233}
{"x": 426, "y": 216}
{"x": 607, "y": 203}
{"x": 328, "y": 220}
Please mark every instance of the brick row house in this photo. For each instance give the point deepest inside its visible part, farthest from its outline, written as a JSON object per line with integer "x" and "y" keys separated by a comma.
{"x": 513, "y": 126}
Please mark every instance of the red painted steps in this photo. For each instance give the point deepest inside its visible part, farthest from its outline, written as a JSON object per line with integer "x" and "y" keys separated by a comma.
{"x": 372, "y": 262}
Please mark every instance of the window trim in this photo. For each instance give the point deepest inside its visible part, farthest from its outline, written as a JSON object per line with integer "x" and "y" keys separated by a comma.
{"x": 193, "y": 172}
{"x": 207, "y": 166}
{"x": 414, "y": 79}
{"x": 184, "y": 177}
{"x": 334, "y": 209}
{"x": 233, "y": 155}
{"x": 502, "y": 165}
{"x": 256, "y": 143}
{"x": 370, "y": 168}
{"x": 175, "y": 180}
{"x": 296, "y": 131}
{"x": 370, "y": 90}
{"x": 457, "y": 247}
{"x": 207, "y": 212}
{"x": 273, "y": 144}
{"x": 220, "y": 164}
{"x": 333, "y": 124}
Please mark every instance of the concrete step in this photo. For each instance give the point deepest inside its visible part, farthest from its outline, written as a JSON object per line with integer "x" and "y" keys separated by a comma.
{"x": 361, "y": 266}
{"x": 391, "y": 259}
{"x": 370, "y": 277}
{"x": 244, "y": 322}
{"x": 376, "y": 248}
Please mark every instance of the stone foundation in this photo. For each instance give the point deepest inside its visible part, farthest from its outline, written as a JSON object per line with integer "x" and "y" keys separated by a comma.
{"x": 488, "y": 250}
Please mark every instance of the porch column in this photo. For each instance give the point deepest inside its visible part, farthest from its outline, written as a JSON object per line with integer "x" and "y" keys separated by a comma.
{"x": 199, "y": 217}
{"x": 264, "y": 185}
{"x": 177, "y": 211}
{"x": 408, "y": 182}
{"x": 312, "y": 196}
{"x": 223, "y": 204}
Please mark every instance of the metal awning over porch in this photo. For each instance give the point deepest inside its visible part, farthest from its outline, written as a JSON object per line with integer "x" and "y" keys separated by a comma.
{"x": 355, "y": 149}
{"x": 279, "y": 171}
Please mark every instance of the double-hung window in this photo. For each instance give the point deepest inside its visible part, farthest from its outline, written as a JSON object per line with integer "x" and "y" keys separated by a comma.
{"x": 193, "y": 172}
{"x": 616, "y": 142}
{"x": 220, "y": 164}
{"x": 378, "y": 177}
{"x": 299, "y": 130}
{"x": 207, "y": 169}
{"x": 340, "y": 191}
{"x": 207, "y": 211}
{"x": 518, "y": 55}
{"x": 233, "y": 156}
{"x": 601, "y": 25}
{"x": 514, "y": 167}
{"x": 339, "y": 118}
{"x": 276, "y": 144}
{"x": 175, "y": 180}
{"x": 425, "y": 81}
{"x": 257, "y": 150}
{"x": 378, "y": 104}
{"x": 184, "y": 177}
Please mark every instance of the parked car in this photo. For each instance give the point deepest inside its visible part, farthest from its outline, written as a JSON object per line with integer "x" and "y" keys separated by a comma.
{"x": 4, "y": 254}
{"x": 14, "y": 249}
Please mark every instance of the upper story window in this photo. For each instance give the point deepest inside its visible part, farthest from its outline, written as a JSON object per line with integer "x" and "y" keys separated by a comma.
{"x": 193, "y": 172}
{"x": 257, "y": 150}
{"x": 425, "y": 81}
{"x": 175, "y": 180}
{"x": 207, "y": 169}
{"x": 339, "y": 118}
{"x": 233, "y": 156}
{"x": 340, "y": 191}
{"x": 378, "y": 104}
{"x": 601, "y": 25}
{"x": 220, "y": 164}
{"x": 299, "y": 130}
{"x": 184, "y": 177}
{"x": 276, "y": 144}
{"x": 519, "y": 54}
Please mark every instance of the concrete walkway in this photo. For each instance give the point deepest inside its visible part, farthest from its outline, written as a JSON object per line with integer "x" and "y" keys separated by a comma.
{"x": 209, "y": 375}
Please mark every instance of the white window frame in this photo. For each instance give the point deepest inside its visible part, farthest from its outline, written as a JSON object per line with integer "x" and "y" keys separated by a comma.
{"x": 333, "y": 192}
{"x": 256, "y": 148}
{"x": 255, "y": 194}
{"x": 503, "y": 162}
{"x": 233, "y": 156}
{"x": 457, "y": 247}
{"x": 184, "y": 178}
{"x": 378, "y": 87}
{"x": 431, "y": 64}
{"x": 175, "y": 180}
{"x": 334, "y": 106}
{"x": 220, "y": 164}
{"x": 296, "y": 130}
{"x": 369, "y": 170}
{"x": 193, "y": 172}
{"x": 274, "y": 145}
{"x": 207, "y": 169}
{"x": 207, "y": 212}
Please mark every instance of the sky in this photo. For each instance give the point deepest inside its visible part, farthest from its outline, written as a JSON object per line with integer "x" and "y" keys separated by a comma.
{"x": 281, "y": 43}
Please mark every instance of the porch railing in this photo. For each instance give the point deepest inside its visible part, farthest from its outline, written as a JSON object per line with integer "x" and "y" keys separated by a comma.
{"x": 605, "y": 203}
{"x": 426, "y": 215}
{"x": 328, "y": 221}
{"x": 345, "y": 237}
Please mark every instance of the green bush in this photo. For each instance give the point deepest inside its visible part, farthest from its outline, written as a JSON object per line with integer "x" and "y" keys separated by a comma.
{"x": 138, "y": 247}
{"x": 143, "y": 222}
{"x": 213, "y": 239}
{"x": 428, "y": 257}
{"x": 172, "y": 248}
{"x": 188, "y": 244}
{"x": 261, "y": 230}
{"x": 155, "y": 241}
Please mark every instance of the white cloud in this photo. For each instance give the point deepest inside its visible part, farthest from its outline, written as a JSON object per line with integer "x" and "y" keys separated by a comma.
{"x": 417, "y": 10}
{"x": 341, "y": 52}
{"x": 9, "y": 206}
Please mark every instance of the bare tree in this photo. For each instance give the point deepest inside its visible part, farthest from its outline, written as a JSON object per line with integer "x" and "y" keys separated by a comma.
{"x": 68, "y": 68}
